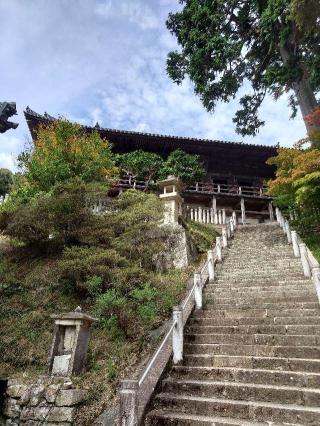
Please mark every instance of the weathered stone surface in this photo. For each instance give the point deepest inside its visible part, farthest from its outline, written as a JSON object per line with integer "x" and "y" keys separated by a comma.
{"x": 16, "y": 391}
{"x": 11, "y": 422}
{"x": 25, "y": 397}
{"x": 11, "y": 408}
{"x": 34, "y": 413}
{"x": 70, "y": 397}
{"x": 108, "y": 417}
{"x": 37, "y": 393}
{"x": 51, "y": 392}
{"x": 67, "y": 385}
{"x": 61, "y": 414}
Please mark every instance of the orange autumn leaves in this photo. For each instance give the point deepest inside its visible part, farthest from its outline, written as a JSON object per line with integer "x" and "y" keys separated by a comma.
{"x": 297, "y": 181}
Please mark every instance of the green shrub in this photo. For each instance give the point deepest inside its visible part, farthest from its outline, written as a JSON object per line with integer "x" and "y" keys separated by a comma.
{"x": 203, "y": 235}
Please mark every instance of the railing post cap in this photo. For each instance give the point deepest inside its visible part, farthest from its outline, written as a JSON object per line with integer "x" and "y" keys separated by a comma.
{"x": 129, "y": 384}
{"x": 177, "y": 308}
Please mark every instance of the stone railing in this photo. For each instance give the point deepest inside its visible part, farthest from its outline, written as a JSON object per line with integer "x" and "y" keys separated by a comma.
{"x": 135, "y": 394}
{"x": 206, "y": 215}
{"x": 310, "y": 265}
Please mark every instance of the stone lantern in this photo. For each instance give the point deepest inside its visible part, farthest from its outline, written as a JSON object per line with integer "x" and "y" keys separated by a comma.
{"x": 171, "y": 187}
{"x": 70, "y": 343}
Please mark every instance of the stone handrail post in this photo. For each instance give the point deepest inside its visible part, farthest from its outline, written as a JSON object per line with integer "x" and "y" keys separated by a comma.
{"x": 295, "y": 245}
{"x": 234, "y": 217}
{"x": 211, "y": 266}
{"x": 218, "y": 248}
{"x": 128, "y": 402}
{"x": 224, "y": 237}
{"x": 304, "y": 260}
{"x": 288, "y": 231}
{"x": 316, "y": 280}
{"x": 198, "y": 290}
{"x": 177, "y": 335}
{"x": 232, "y": 226}
{"x": 223, "y": 216}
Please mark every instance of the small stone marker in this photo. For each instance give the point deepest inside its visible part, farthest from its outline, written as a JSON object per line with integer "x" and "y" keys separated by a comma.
{"x": 70, "y": 343}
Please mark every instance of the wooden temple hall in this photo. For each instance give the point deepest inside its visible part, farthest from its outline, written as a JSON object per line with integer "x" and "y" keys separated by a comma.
{"x": 236, "y": 172}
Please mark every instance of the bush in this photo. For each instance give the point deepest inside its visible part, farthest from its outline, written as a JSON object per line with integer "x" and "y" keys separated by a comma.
{"x": 203, "y": 235}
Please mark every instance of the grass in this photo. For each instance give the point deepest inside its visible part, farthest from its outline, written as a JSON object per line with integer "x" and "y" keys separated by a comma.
{"x": 30, "y": 292}
{"x": 313, "y": 242}
{"x": 203, "y": 235}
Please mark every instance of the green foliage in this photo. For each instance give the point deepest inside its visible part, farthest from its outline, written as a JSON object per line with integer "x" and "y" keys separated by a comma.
{"x": 151, "y": 167}
{"x": 187, "y": 167}
{"x": 64, "y": 152}
{"x": 59, "y": 175}
{"x": 297, "y": 182}
{"x": 6, "y": 180}
{"x": 141, "y": 165}
{"x": 271, "y": 44}
{"x": 203, "y": 235}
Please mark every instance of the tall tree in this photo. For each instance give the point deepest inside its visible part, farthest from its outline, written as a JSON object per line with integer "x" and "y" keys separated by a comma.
{"x": 6, "y": 180}
{"x": 225, "y": 44}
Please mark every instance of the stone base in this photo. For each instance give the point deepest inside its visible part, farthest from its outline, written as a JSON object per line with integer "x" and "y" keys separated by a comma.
{"x": 179, "y": 252}
{"x": 51, "y": 401}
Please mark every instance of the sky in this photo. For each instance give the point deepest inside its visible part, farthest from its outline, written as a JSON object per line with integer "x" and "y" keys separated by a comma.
{"x": 105, "y": 61}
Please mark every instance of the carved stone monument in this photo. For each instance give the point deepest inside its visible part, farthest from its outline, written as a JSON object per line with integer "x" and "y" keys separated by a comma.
{"x": 7, "y": 109}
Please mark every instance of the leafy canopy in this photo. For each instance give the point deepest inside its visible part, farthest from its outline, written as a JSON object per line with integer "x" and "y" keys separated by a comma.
{"x": 224, "y": 44}
{"x": 297, "y": 182}
{"x": 6, "y": 180}
{"x": 187, "y": 167}
{"x": 150, "y": 167}
{"x": 63, "y": 151}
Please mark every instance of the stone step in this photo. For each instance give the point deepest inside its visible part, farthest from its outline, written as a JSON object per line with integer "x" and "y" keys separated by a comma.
{"x": 255, "y": 339}
{"x": 165, "y": 418}
{"x": 253, "y": 362}
{"x": 236, "y": 289}
{"x": 255, "y": 329}
{"x": 247, "y": 375}
{"x": 255, "y": 322}
{"x": 263, "y": 297}
{"x": 211, "y": 305}
{"x": 259, "y": 283}
{"x": 243, "y": 391}
{"x": 308, "y": 352}
{"x": 258, "y": 313}
{"x": 246, "y": 410}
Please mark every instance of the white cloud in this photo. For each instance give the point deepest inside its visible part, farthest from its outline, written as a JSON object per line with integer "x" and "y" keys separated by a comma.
{"x": 108, "y": 64}
{"x": 7, "y": 161}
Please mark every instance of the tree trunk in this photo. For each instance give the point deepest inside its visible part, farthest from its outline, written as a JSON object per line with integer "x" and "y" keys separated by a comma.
{"x": 305, "y": 96}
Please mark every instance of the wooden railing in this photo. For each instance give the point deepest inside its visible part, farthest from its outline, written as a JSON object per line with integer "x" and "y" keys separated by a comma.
{"x": 216, "y": 188}
{"x": 135, "y": 394}
{"x": 201, "y": 187}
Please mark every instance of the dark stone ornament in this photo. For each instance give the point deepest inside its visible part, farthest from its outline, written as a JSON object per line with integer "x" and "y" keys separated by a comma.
{"x": 7, "y": 109}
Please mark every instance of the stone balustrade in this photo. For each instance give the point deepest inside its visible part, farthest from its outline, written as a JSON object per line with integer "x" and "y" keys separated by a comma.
{"x": 135, "y": 394}
{"x": 310, "y": 265}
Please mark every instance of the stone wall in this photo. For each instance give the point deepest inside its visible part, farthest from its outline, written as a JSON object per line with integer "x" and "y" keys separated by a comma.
{"x": 51, "y": 401}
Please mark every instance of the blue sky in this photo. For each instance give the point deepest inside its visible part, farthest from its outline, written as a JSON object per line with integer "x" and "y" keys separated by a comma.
{"x": 104, "y": 60}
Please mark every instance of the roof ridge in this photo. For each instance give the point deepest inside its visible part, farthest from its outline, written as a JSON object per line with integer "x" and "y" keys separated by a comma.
{"x": 29, "y": 112}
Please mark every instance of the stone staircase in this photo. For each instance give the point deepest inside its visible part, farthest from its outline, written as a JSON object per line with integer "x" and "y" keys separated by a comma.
{"x": 252, "y": 356}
